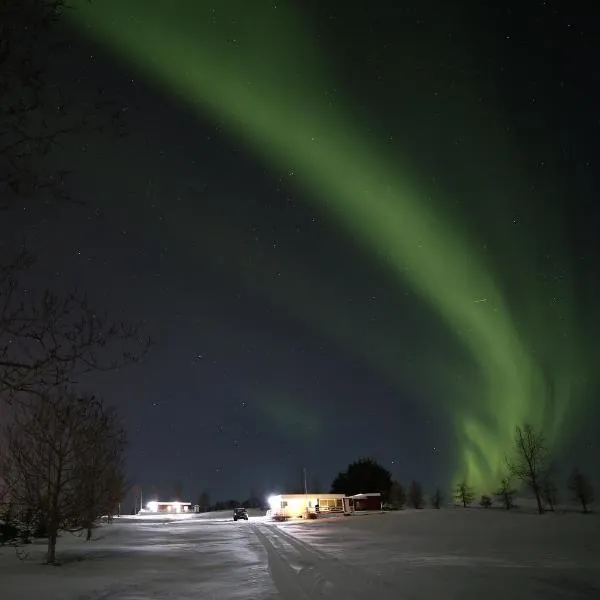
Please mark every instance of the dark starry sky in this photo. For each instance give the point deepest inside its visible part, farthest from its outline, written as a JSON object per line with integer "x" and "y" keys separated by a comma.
{"x": 238, "y": 392}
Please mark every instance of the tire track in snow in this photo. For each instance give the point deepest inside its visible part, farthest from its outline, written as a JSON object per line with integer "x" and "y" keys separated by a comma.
{"x": 300, "y": 571}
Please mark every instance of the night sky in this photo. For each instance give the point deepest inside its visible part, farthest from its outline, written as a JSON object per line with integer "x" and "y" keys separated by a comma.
{"x": 351, "y": 228}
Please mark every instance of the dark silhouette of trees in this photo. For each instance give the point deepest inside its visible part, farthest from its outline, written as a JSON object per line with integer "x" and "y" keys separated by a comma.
{"x": 46, "y": 339}
{"x": 49, "y": 340}
{"x": 581, "y": 489}
{"x": 549, "y": 493}
{"x": 36, "y": 114}
{"x": 415, "y": 495}
{"x": 530, "y": 460}
{"x": 253, "y": 500}
{"x": 204, "y": 501}
{"x": 54, "y": 452}
{"x": 397, "y": 497}
{"x": 437, "y": 498}
{"x": 100, "y": 464}
{"x": 485, "y": 501}
{"x": 464, "y": 493}
{"x": 506, "y": 493}
{"x": 363, "y": 476}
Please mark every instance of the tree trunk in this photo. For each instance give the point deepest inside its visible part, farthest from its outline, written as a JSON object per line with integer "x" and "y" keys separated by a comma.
{"x": 584, "y": 506}
{"x": 52, "y": 537}
{"x": 539, "y": 502}
{"x": 88, "y": 537}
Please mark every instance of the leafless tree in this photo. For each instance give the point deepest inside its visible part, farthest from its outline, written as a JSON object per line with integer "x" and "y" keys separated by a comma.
{"x": 464, "y": 493}
{"x": 581, "y": 488}
{"x": 485, "y": 501}
{"x": 397, "y": 495}
{"x": 100, "y": 465}
{"x": 49, "y": 340}
{"x": 204, "y": 501}
{"x": 415, "y": 495}
{"x": 437, "y": 499}
{"x": 51, "y": 457}
{"x": 506, "y": 493}
{"x": 549, "y": 493}
{"x": 530, "y": 460}
{"x": 35, "y": 114}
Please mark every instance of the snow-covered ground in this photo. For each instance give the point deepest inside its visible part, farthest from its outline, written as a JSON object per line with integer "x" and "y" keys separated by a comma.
{"x": 425, "y": 554}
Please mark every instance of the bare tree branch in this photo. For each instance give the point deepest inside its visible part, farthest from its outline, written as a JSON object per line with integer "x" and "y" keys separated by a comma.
{"x": 530, "y": 461}
{"x": 581, "y": 489}
{"x": 506, "y": 493}
{"x": 35, "y": 116}
{"x": 101, "y": 466}
{"x": 50, "y": 340}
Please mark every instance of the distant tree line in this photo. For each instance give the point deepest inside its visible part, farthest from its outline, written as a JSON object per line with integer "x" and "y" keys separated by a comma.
{"x": 252, "y": 501}
{"x": 530, "y": 465}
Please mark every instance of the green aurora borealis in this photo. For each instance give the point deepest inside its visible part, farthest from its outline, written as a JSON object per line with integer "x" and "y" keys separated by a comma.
{"x": 261, "y": 72}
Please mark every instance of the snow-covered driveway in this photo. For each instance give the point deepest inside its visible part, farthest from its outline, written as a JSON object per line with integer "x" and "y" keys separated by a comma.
{"x": 411, "y": 555}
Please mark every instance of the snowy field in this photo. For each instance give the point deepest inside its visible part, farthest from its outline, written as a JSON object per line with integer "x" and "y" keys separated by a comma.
{"x": 410, "y": 555}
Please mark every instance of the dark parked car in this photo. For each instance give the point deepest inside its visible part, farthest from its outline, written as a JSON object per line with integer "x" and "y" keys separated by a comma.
{"x": 240, "y": 513}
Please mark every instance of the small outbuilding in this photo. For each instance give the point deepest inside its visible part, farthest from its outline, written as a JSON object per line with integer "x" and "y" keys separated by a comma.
{"x": 364, "y": 502}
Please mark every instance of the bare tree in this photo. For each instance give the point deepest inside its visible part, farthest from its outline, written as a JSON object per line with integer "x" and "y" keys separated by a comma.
{"x": 581, "y": 489}
{"x": 437, "y": 498}
{"x": 204, "y": 501}
{"x": 506, "y": 493}
{"x": 49, "y": 340}
{"x": 549, "y": 493}
{"x": 47, "y": 462}
{"x": 464, "y": 493}
{"x": 530, "y": 460}
{"x": 415, "y": 495}
{"x": 397, "y": 495}
{"x": 37, "y": 115}
{"x": 100, "y": 465}
{"x": 46, "y": 339}
{"x": 485, "y": 501}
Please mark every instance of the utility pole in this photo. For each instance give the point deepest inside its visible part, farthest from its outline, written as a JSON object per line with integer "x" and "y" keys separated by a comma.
{"x": 305, "y": 490}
